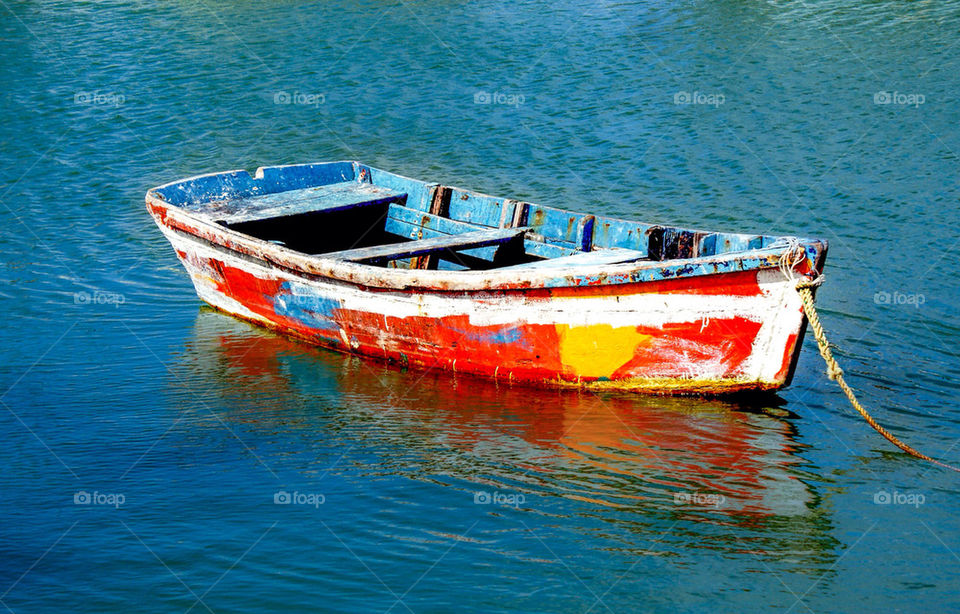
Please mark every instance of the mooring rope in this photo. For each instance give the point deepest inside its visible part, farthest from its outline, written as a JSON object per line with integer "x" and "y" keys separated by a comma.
{"x": 805, "y": 289}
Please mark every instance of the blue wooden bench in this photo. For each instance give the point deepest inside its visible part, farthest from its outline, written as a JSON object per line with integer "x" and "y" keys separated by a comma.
{"x": 332, "y": 197}
{"x": 601, "y": 256}
{"x": 394, "y": 251}
{"x": 414, "y": 224}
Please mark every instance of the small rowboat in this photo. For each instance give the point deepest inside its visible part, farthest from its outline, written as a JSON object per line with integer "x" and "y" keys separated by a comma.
{"x": 360, "y": 260}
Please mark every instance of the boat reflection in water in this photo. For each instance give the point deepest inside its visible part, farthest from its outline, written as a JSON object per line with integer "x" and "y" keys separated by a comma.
{"x": 685, "y": 458}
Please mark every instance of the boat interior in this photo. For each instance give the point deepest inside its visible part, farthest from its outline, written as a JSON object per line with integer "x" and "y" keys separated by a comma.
{"x": 352, "y": 212}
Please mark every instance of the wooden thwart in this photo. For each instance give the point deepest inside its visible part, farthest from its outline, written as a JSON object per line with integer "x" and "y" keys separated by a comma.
{"x": 410, "y": 249}
{"x": 599, "y": 257}
{"x": 335, "y": 197}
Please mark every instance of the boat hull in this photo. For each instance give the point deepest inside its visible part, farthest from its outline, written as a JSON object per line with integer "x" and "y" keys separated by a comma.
{"x": 710, "y": 334}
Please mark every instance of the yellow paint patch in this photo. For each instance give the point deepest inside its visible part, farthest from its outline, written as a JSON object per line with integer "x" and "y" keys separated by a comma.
{"x": 597, "y": 350}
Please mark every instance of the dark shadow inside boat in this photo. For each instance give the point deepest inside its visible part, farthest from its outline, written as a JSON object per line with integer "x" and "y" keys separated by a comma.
{"x": 348, "y": 232}
{"x": 320, "y": 232}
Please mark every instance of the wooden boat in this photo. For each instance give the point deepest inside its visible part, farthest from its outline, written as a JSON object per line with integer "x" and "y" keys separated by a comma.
{"x": 361, "y": 260}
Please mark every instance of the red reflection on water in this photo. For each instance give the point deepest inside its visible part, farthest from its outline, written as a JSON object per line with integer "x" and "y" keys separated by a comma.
{"x": 613, "y": 448}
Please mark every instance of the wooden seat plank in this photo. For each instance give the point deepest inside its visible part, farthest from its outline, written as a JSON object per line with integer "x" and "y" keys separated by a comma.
{"x": 423, "y": 247}
{"x": 602, "y": 256}
{"x": 333, "y": 197}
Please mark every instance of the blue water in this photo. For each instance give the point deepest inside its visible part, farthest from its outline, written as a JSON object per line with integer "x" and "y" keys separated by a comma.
{"x": 175, "y": 427}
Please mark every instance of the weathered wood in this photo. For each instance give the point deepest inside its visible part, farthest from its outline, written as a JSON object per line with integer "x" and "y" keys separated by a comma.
{"x": 440, "y": 208}
{"x": 206, "y": 192}
{"x": 334, "y": 197}
{"x": 604, "y": 256}
{"x": 547, "y": 250}
{"x": 612, "y": 232}
{"x": 419, "y": 193}
{"x": 393, "y": 251}
{"x": 416, "y": 225}
{"x": 407, "y": 222}
{"x": 440, "y": 204}
{"x": 702, "y": 313}
{"x": 585, "y": 232}
{"x": 557, "y": 225}
{"x": 476, "y": 208}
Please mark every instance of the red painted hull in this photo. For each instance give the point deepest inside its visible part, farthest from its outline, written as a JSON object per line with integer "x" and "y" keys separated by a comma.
{"x": 709, "y": 334}
{"x": 525, "y": 293}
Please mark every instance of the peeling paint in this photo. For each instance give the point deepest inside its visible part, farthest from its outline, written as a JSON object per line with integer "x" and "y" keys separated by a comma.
{"x": 700, "y": 324}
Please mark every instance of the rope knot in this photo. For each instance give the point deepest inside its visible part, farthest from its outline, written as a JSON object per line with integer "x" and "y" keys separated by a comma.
{"x": 809, "y": 282}
{"x": 834, "y": 371}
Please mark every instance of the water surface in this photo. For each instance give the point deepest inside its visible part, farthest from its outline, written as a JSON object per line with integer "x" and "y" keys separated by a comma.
{"x": 417, "y": 491}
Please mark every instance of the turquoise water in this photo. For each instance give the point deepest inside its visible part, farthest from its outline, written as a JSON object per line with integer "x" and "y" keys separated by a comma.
{"x": 424, "y": 492}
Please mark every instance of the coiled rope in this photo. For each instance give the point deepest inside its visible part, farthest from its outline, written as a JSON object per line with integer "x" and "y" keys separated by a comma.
{"x": 805, "y": 288}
